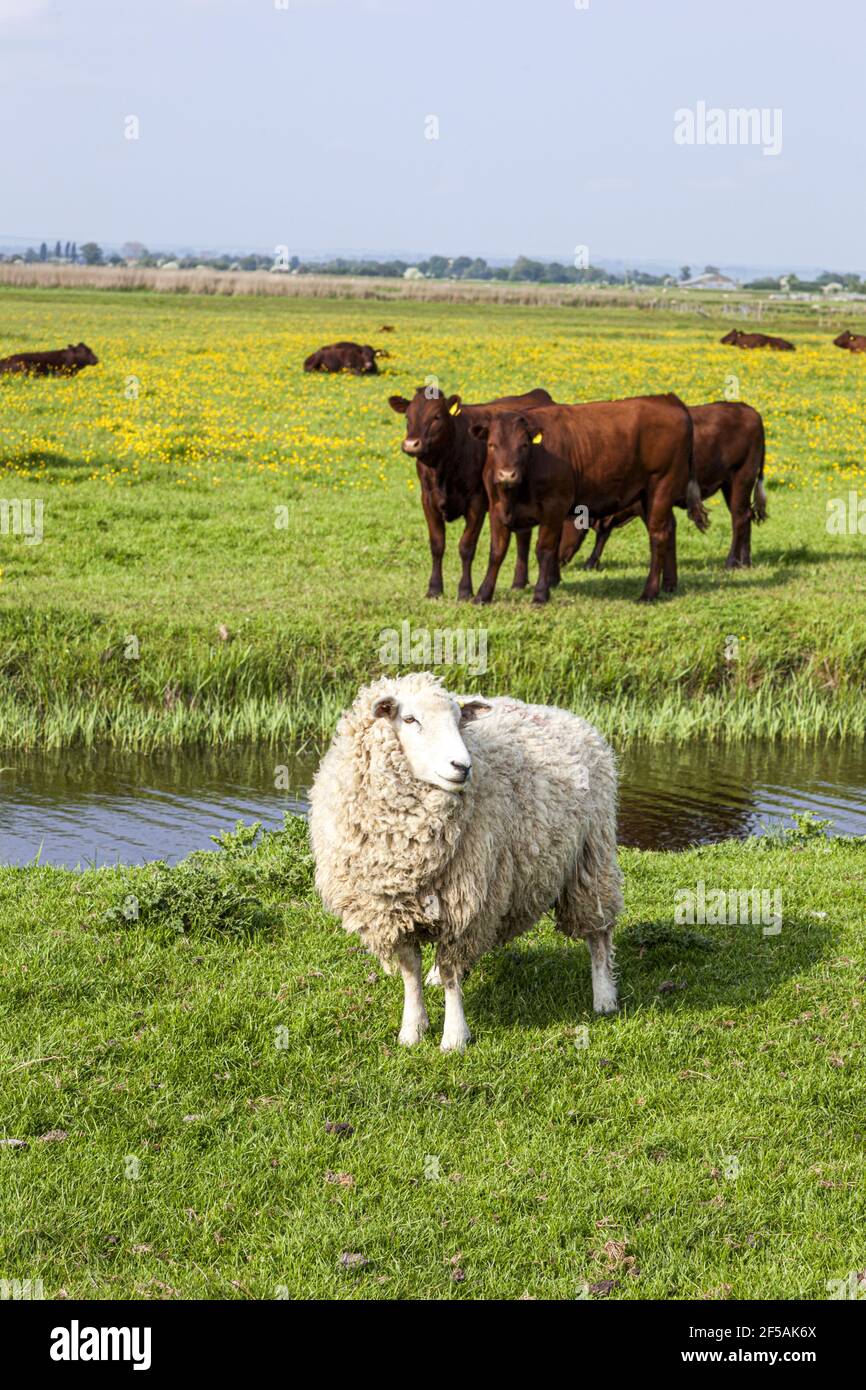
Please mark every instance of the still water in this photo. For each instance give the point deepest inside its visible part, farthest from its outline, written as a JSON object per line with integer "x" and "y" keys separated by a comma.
{"x": 104, "y": 807}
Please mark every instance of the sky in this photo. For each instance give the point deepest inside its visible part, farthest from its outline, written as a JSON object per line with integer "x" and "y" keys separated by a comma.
{"x": 305, "y": 123}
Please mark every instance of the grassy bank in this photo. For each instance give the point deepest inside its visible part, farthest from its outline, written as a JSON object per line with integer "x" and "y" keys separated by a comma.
{"x": 225, "y": 540}
{"x": 173, "y": 1078}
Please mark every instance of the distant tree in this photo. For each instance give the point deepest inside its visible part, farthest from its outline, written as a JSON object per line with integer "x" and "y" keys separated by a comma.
{"x": 57, "y": 251}
{"x": 133, "y": 250}
{"x": 30, "y": 255}
{"x": 43, "y": 252}
{"x": 73, "y": 252}
{"x": 460, "y": 265}
{"x": 92, "y": 253}
{"x": 712, "y": 270}
{"x": 685, "y": 272}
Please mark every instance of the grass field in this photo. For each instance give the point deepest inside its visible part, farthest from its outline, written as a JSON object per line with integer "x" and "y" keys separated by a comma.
{"x": 172, "y": 1079}
{"x": 163, "y": 471}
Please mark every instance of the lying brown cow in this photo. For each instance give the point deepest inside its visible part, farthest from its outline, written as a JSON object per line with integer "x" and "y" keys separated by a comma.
{"x": 344, "y": 357}
{"x": 604, "y": 455}
{"x": 854, "y": 342}
{"x": 64, "y": 362}
{"x": 450, "y": 464}
{"x": 736, "y": 338}
{"x": 729, "y": 454}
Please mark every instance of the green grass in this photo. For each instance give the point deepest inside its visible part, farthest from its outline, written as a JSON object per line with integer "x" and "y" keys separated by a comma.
{"x": 160, "y": 525}
{"x": 192, "y": 1058}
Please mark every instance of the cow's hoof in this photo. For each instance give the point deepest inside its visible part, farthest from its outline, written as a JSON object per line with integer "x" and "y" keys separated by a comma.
{"x": 540, "y": 599}
{"x": 464, "y": 595}
{"x": 481, "y": 600}
{"x": 434, "y": 593}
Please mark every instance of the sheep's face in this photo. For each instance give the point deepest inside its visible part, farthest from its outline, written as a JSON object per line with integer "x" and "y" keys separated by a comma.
{"x": 428, "y": 727}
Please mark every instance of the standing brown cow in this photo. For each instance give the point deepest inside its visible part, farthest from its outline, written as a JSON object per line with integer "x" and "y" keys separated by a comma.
{"x": 604, "y": 455}
{"x": 854, "y": 342}
{"x": 729, "y": 454}
{"x": 450, "y": 464}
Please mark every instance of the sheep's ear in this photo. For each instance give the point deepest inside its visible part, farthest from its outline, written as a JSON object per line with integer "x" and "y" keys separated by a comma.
{"x": 385, "y": 707}
{"x": 472, "y": 708}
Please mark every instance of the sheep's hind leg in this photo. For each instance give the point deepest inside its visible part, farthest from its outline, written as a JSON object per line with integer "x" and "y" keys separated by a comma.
{"x": 433, "y": 977}
{"x": 582, "y": 913}
{"x": 455, "y": 1034}
{"x": 415, "y": 1021}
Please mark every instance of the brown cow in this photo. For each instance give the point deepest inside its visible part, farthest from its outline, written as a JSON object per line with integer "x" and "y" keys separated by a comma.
{"x": 450, "y": 464}
{"x": 729, "y": 454}
{"x": 605, "y": 455}
{"x": 66, "y": 361}
{"x": 344, "y": 357}
{"x": 854, "y": 342}
{"x": 736, "y": 338}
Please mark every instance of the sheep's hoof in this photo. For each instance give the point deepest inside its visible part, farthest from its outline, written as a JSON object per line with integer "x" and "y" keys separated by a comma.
{"x": 456, "y": 1041}
{"x": 606, "y": 1004}
{"x": 433, "y": 977}
{"x": 411, "y": 1034}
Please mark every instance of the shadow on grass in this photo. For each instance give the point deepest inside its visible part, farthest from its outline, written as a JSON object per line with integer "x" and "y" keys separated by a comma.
{"x": 538, "y": 982}
{"x": 43, "y": 458}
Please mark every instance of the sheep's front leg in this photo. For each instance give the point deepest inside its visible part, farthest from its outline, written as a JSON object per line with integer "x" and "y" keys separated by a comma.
{"x": 604, "y": 996}
{"x": 455, "y": 1034}
{"x": 415, "y": 1021}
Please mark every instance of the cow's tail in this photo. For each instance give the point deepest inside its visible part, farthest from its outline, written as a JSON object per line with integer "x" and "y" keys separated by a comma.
{"x": 695, "y": 508}
{"x": 759, "y": 497}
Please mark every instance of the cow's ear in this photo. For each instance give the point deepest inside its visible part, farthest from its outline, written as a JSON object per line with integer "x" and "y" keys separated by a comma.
{"x": 385, "y": 707}
{"x": 479, "y": 429}
{"x": 398, "y": 403}
{"x": 452, "y": 405}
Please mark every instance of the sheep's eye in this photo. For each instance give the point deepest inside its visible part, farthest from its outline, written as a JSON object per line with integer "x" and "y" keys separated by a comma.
{"x": 409, "y": 719}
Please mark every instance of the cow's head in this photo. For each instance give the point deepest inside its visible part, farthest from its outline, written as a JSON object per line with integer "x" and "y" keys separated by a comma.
{"x": 82, "y": 355}
{"x": 732, "y": 337}
{"x": 368, "y": 360}
{"x": 429, "y": 423}
{"x": 510, "y": 440}
{"x": 844, "y": 339}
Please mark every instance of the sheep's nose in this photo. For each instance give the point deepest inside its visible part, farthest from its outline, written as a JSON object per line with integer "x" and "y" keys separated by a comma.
{"x": 462, "y": 770}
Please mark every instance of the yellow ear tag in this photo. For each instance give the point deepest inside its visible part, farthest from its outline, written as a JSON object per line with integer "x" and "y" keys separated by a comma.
{"x": 455, "y": 409}
{"x": 536, "y": 438}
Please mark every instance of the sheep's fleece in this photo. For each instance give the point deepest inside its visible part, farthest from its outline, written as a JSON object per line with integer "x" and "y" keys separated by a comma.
{"x": 403, "y": 862}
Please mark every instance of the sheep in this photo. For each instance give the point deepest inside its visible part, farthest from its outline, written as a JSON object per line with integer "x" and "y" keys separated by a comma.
{"x": 460, "y": 821}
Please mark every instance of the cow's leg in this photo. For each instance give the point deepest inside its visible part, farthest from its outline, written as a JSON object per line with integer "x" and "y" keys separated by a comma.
{"x": 547, "y": 552}
{"x": 659, "y": 519}
{"x": 500, "y": 536}
{"x": 738, "y": 495}
{"x": 670, "y": 569}
{"x": 436, "y": 531}
{"x": 415, "y": 1021}
{"x": 572, "y": 538}
{"x": 521, "y": 569}
{"x": 603, "y": 529}
{"x": 475, "y": 513}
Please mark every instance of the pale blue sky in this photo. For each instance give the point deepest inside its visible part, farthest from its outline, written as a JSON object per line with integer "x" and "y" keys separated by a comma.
{"x": 305, "y": 126}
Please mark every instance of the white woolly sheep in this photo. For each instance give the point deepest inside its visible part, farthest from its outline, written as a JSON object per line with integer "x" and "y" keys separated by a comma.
{"x": 461, "y": 821}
